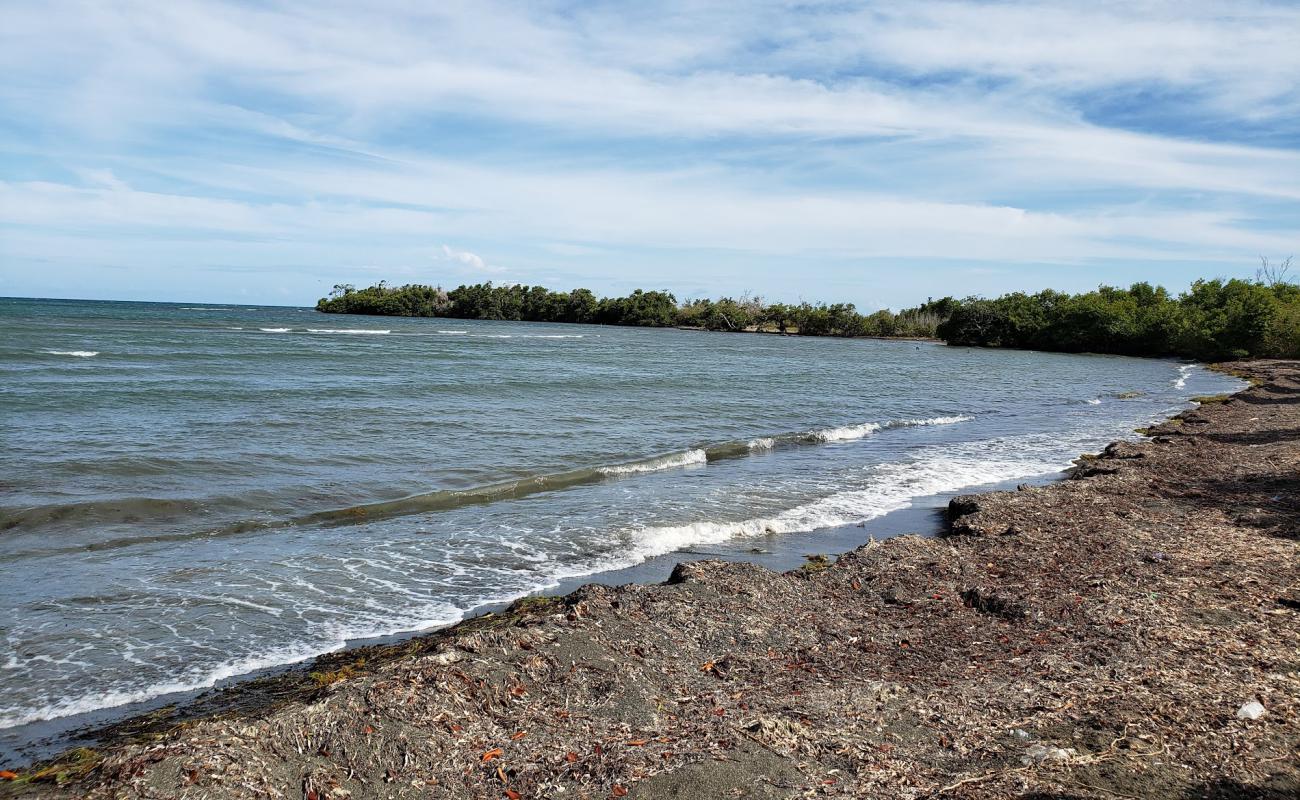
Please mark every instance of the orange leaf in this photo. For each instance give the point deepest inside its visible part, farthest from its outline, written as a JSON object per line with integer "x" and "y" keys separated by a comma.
{"x": 368, "y": 730}
{"x": 570, "y": 757}
{"x": 512, "y": 794}
{"x": 495, "y": 752}
{"x": 619, "y": 790}
{"x": 7, "y": 775}
{"x": 514, "y": 737}
{"x": 707, "y": 666}
{"x": 637, "y": 742}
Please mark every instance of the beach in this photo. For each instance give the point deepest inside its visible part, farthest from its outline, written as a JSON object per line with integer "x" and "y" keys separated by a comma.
{"x": 1128, "y": 632}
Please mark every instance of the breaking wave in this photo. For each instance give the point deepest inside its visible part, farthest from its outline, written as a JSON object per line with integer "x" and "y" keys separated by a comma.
{"x": 358, "y": 331}
{"x": 655, "y": 464}
{"x": 74, "y": 353}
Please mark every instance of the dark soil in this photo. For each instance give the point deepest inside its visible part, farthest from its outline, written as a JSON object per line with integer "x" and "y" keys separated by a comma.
{"x": 1093, "y": 638}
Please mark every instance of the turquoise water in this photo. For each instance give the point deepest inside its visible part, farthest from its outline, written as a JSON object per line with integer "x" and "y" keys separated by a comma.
{"x": 195, "y": 492}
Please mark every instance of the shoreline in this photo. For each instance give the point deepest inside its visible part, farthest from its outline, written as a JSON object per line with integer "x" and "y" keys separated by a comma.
{"x": 46, "y": 739}
{"x": 899, "y": 626}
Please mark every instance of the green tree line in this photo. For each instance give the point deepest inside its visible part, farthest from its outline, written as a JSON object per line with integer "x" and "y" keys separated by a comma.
{"x": 640, "y": 308}
{"x": 1214, "y": 319}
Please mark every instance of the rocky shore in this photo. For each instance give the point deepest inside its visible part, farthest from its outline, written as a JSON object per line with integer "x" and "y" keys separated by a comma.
{"x": 1131, "y": 632}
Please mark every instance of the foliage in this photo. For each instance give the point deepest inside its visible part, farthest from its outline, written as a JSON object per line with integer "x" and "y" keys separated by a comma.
{"x": 1212, "y": 320}
{"x": 640, "y": 308}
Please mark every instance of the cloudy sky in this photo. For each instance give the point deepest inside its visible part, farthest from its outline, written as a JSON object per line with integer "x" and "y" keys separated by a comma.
{"x": 873, "y": 152}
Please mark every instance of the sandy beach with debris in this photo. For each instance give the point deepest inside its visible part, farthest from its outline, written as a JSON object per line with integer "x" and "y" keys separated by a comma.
{"x": 1133, "y": 631}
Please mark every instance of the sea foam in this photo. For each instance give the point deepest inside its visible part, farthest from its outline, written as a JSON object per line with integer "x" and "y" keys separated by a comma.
{"x": 669, "y": 461}
{"x": 74, "y": 353}
{"x": 348, "y": 330}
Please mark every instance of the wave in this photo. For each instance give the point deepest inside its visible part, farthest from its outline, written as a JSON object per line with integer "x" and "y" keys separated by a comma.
{"x": 893, "y": 486}
{"x": 74, "y": 353}
{"x": 136, "y": 509}
{"x": 1185, "y": 370}
{"x": 888, "y": 487}
{"x": 655, "y": 464}
{"x": 207, "y": 308}
{"x": 1096, "y": 401}
{"x": 853, "y": 432}
{"x": 348, "y": 330}
{"x": 329, "y": 640}
{"x": 274, "y": 330}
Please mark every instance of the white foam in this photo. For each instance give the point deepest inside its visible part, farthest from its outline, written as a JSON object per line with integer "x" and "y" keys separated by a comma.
{"x": 953, "y": 420}
{"x": 893, "y": 487}
{"x": 436, "y": 616}
{"x": 1185, "y": 370}
{"x": 849, "y": 433}
{"x": 274, "y": 330}
{"x": 74, "y": 353}
{"x": 454, "y": 333}
{"x": 655, "y": 464}
{"x": 846, "y": 433}
{"x": 1096, "y": 401}
{"x": 347, "y": 330}
{"x": 762, "y": 443}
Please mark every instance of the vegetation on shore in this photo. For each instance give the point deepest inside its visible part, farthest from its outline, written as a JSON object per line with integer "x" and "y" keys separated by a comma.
{"x": 1213, "y": 320}
{"x": 654, "y": 309}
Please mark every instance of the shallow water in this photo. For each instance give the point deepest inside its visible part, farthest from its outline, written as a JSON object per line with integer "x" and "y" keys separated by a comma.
{"x": 195, "y": 492}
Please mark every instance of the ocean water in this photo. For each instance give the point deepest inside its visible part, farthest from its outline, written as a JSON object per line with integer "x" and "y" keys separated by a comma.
{"x": 196, "y": 492}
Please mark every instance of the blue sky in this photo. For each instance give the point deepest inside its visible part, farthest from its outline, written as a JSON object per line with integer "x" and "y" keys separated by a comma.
{"x": 878, "y": 153}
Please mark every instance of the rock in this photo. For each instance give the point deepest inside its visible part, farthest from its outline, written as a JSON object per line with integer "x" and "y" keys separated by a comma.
{"x": 1252, "y": 710}
{"x": 963, "y": 505}
{"x": 958, "y": 509}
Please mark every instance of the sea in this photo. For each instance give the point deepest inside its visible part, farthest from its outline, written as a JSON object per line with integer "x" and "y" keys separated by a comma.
{"x": 192, "y": 493}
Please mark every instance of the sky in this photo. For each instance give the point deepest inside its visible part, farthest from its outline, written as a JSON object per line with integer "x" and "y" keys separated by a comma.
{"x": 875, "y": 153}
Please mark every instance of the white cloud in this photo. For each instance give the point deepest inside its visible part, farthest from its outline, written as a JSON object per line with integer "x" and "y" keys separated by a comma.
{"x": 929, "y": 129}
{"x": 472, "y": 260}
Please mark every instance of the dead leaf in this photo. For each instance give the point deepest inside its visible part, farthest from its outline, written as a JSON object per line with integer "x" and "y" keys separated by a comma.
{"x": 495, "y": 752}
{"x": 6, "y": 775}
{"x": 512, "y": 794}
{"x": 571, "y": 757}
{"x": 619, "y": 790}
{"x": 514, "y": 737}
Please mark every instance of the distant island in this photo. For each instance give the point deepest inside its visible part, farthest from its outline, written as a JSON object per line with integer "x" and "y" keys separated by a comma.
{"x": 1213, "y": 320}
